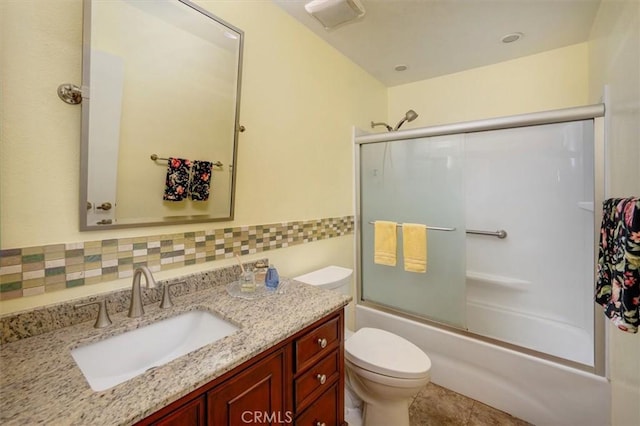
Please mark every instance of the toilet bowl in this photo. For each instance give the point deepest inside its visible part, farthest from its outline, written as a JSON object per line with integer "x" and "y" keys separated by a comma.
{"x": 383, "y": 370}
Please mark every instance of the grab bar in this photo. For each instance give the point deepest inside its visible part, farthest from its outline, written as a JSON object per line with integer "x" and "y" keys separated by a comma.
{"x": 500, "y": 233}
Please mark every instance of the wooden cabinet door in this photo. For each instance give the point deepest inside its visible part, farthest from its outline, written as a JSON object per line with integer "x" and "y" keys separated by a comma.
{"x": 254, "y": 396}
{"x": 190, "y": 414}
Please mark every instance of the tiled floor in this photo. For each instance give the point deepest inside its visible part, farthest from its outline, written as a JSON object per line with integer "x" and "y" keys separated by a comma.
{"x": 437, "y": 406}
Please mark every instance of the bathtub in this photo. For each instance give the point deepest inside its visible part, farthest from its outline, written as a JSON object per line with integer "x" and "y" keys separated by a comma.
{"x": 533, "y": 389}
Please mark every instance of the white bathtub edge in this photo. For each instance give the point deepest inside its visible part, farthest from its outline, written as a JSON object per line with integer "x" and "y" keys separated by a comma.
{"x": 536, "y": 390}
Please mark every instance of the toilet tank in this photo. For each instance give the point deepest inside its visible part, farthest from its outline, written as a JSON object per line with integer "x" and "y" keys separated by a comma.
{"x": 330, "y": 278}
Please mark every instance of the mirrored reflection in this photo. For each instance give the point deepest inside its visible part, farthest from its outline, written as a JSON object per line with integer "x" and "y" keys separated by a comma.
{"x": 161, "y": 84}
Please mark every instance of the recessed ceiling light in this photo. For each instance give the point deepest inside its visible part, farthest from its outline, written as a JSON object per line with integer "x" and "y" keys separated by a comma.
{"x": 510, "y": 38}
{"x": 400, "y": 67}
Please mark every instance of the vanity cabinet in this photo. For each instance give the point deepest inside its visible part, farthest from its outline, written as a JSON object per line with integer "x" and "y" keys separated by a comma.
{"x": 299, "y": 381}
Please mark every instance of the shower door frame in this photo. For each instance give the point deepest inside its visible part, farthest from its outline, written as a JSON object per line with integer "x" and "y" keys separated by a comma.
{"x": 594, "y": 112}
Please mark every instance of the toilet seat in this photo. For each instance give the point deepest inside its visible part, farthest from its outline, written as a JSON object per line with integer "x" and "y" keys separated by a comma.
{"x": 387, "y": 354}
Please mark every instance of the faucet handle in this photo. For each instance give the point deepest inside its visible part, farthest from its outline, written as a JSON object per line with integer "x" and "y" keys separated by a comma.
{"x": 103, "y": 319}
{"x": 166, "y": 296}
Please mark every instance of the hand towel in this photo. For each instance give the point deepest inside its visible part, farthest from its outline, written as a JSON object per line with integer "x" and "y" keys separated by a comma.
{"x": 385, "y": 243}
{"x": 200, "y": 180}
{"x": 177, "y": 180}
{"x": 414, "y": 247}
{"x": 618, "y": 278}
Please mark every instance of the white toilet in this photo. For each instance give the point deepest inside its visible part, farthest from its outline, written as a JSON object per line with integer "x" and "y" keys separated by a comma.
{"x": 384, "y": 370}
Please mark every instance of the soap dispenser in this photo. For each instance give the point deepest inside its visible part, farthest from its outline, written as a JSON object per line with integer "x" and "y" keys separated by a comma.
{"x": 272, "y": 279}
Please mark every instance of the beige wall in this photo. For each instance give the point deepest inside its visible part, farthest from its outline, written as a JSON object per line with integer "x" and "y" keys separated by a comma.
{"x": 614, "y": 62}
{"x": 300, "y": 99}
{"x": 545, "y": 81}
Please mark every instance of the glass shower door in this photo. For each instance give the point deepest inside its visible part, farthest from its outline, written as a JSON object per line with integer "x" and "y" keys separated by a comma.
{"x": 416, "y": 181}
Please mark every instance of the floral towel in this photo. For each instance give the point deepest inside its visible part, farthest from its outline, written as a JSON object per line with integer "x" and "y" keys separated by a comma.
{"x": 200, "y": 180}
{"x": 618, "y": 285}
{"x": 177, "y": 182}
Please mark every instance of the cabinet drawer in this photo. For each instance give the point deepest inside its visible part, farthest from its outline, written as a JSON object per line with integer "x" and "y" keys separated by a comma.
{"x": 316, "y": 343}
{"x": 317, "y": 379}
{"x": 323, "y": 412}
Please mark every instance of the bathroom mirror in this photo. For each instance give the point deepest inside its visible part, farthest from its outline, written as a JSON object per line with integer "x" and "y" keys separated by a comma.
{"x": 160, "y": 105}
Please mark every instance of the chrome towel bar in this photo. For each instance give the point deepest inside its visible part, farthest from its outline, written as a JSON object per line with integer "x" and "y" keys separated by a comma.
{"x": 500, "y": 233}
{"x": 155, "y": 157}
{"x": 434, "y": 228}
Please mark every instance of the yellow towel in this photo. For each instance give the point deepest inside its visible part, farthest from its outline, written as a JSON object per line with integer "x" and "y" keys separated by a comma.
{"x": 385, "y": 243}
{"x": 414, "y": 247}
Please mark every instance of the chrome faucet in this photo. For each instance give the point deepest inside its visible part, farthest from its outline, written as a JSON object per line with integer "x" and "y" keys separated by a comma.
{"x": 136, "y": 309}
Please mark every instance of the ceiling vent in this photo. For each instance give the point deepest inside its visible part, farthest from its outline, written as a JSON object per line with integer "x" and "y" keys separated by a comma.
{"x": 332, "y": 13}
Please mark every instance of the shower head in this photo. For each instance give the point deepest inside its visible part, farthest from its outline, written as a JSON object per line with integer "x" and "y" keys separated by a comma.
{"x": 409, "y": 116}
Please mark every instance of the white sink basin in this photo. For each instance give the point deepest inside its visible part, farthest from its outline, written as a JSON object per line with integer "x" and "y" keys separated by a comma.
{"x": 119, "y": 358}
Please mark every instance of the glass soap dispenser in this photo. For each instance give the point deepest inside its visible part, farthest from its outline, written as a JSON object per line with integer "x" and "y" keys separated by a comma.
{"x": 272, "y": 279}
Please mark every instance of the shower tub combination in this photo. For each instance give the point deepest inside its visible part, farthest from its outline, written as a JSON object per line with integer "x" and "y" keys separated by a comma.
{"x": 505, "y": 310}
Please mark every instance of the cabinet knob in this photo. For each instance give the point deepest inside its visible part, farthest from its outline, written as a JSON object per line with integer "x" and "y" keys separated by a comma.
{"x": 322, "y": 342}
{"x": 321, "y": 424}
{"x": 322, "y": 378}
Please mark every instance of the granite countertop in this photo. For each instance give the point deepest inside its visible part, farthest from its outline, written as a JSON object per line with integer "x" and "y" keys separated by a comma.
{"x": 41, "y": 383}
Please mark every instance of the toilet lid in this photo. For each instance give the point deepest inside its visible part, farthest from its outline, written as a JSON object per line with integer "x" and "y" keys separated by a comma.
{"x": 386, "y": 353}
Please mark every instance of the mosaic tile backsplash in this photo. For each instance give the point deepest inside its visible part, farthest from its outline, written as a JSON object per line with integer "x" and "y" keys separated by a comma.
{"x": 36, "y": 270}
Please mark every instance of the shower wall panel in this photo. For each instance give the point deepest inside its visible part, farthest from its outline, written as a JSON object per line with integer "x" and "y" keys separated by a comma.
{"x": 534, "y": 288}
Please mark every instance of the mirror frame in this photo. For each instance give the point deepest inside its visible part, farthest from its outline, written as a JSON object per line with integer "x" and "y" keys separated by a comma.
{"x": 84, "y": 146}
